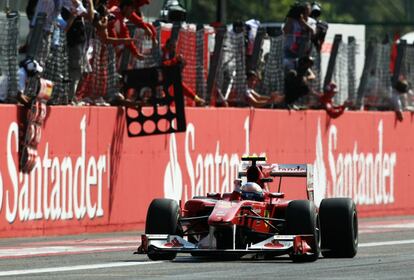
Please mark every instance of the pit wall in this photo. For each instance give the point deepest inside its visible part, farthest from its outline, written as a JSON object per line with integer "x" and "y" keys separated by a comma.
{"x": 90, "y": 177}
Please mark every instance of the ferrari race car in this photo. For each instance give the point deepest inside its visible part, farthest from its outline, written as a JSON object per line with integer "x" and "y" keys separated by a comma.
{"x": 253, "y": 220}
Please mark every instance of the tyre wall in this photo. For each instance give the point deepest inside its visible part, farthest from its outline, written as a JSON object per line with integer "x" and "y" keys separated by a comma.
{"x": 90, "y": 176}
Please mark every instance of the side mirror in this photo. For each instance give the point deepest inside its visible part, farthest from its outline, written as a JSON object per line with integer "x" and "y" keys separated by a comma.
{"x": 267, "y": 180}
{"x": 276, "y": 195}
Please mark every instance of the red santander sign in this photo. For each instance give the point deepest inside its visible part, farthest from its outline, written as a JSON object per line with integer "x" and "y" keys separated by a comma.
{"x": 90, "y": 176}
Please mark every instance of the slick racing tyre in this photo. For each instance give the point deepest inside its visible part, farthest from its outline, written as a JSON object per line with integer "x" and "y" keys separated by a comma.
{"x": 339, "y": 227}
{"x": 301, "y": 218}
{"x": 162, "y": 218}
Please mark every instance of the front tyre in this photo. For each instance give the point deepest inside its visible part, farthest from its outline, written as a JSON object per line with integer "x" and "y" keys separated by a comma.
{"x": 339, "y": 224}
{"x": 301, "y": 218}
{"x": 163, "y": 218}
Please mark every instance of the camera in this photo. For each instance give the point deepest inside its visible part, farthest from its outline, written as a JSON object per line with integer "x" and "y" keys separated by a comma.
{"x": 316, "y": 10}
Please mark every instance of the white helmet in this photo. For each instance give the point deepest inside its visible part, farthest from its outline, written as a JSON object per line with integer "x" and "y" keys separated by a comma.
{"x": 252, "y": 191}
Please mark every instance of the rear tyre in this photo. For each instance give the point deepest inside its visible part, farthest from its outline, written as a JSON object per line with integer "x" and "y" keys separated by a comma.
{"x": 339, "y": 225}
{"x": 301, "y": 218}
{"x": 162, "y": 218}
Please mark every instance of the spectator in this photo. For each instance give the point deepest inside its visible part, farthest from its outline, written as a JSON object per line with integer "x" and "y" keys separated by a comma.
{"x": 252, "y": 27}
{"x": 92, "y": 89}
{"x": 135, "y": 17}
{"x": 52, "y": 10}
{"x": 297, "y": 34}
{"x": 30, "y": 11}
{"x": 74, "y": 12}
{"x": 327, "y": 102}
{"x": 297, "y": 81}
{"x": 253, "y": 98}
{"x": 399, "y": 98}
{"x": 169, "y": 58}
{"x": 117, "y": 27}
{"x": 28, "y": 68}
{"x": 321, "y": 27}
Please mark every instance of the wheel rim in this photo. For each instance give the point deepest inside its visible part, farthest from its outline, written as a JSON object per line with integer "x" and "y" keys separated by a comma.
{"x": 355, "y": 227}
{"x": 317, "y": 234}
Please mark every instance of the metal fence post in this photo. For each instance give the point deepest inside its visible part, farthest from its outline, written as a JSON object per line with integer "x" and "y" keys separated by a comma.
{"x": 401, "y": 49}
{"x": 332, "y": 59}
{"x": 200, "y": 78}
{"x": 215, "y": 62}
{"x": 351, "y": 68}
{"x": 252, "y": 63}
{"x": 369, "y": 60}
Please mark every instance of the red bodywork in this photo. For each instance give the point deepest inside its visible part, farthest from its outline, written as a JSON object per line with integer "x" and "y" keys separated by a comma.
{"x": 230, "y": 222}
{"x": 230, "y": 209}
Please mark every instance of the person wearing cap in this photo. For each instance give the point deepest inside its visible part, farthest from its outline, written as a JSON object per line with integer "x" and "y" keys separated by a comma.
{"x": 135, "y": 17}
{"x": 28, "y": 68}
{"x": 253, "y": 98}
{"x": 117, "y": 27}
{"x": 326, "y": 100}
{"x": 313, "y": 16}
{"x": 321, "y": 27}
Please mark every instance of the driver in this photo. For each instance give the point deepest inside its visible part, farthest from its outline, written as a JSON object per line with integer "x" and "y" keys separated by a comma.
{"x": 252, "y": 191}
{"x": 254, "y": 188}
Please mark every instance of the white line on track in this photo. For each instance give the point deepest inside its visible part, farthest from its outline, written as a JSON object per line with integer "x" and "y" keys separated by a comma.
{"x": 125, "y": 264}
{"x": 73, "y": 268}
{"x": 62, "y": 250}
{"x": 386, "y": 243}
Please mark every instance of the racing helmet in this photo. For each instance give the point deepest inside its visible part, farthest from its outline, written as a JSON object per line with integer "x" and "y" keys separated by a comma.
{"x": 252, "y": 191}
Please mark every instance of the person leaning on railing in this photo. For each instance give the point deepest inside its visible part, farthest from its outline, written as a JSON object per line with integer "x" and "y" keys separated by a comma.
{"x": 297, "y": 82}
{"x": 85, "y": 94}
{"x": 169, "y": 58}
{"x": 400, "y": 98}
{"x": 253, "y": 98}
{"x": 326, "y": 99}
{"x": 117, "y": 27}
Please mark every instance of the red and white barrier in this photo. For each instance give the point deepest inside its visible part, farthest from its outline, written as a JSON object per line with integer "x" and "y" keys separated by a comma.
{"x": 89, "y": 176}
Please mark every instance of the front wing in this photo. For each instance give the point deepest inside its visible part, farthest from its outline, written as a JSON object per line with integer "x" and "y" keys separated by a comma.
{"x": 277, "y": 245}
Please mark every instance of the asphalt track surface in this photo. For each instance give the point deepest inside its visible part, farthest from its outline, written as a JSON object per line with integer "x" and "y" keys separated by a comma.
{"x": 386, "y": 251}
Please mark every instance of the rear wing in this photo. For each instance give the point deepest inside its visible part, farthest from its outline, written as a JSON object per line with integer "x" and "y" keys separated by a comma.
{"x": 290, "y": 170}
{"x": 281, "y": 170}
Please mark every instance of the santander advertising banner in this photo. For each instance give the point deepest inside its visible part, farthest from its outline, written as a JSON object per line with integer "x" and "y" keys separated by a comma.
{"x": 89, "y": 176}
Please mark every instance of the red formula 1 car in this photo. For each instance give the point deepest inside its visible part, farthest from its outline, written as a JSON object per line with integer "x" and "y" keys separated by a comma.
{"x": 252, "y": 220}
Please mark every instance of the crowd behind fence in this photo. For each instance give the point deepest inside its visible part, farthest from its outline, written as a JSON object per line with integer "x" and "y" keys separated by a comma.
{"x": 215, "y": 65}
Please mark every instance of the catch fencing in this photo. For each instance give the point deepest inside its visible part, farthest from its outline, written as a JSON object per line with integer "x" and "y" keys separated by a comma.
{"x": 9, "y": 33}
{"x": 215, "y": 64}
